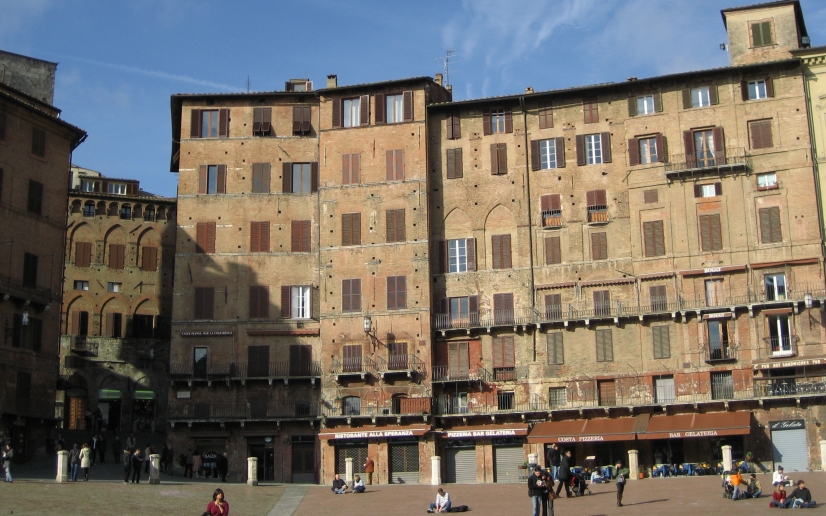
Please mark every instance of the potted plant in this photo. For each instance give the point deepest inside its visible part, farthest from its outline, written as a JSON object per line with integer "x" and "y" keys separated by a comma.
{"x": 524, "y": 465}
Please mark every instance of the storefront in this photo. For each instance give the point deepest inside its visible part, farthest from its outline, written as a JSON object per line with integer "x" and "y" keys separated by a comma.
{"x": 790, "y": 448}
{"x": 109, "y": 403}
{"x": 606, "y": 439}
{"x": 489, "y": 453}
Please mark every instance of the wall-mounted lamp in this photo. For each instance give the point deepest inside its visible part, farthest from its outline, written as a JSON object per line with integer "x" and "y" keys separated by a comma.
{"x": 808, "y": 299}
{"x": 368, "y": 324}
{"x": 25, "y": 320}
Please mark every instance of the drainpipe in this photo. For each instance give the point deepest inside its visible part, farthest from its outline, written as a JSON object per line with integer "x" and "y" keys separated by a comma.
{"x": 818, "y": 194}
{"x": 530, "y": 208}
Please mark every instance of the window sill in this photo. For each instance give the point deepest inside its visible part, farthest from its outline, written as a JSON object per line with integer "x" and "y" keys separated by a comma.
{"x": 764, "y": 188}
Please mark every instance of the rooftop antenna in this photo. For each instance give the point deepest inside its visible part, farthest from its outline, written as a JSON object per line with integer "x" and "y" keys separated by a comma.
{"x": 248, "y": 83}
{"x": 446, "y": 59}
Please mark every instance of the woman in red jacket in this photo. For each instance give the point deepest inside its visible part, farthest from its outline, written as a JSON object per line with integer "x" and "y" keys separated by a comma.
{"x": 218, "y": 506}
{"x": 778, "y": 496}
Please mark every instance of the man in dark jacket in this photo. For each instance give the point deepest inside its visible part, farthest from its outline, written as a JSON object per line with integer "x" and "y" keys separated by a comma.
{"x": 552, "y": 460}
{"x": 564, "y": 473}
{"x": 223, "y": 466}
{"x": 801, "y": 497}
{"x": 535, "y": 488}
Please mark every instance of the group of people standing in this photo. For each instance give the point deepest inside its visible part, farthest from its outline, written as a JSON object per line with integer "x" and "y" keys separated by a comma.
{"x": 205, "y": 464}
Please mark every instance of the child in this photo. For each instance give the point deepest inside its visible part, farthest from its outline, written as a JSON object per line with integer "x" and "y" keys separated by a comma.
{"x": 358, "y": 485}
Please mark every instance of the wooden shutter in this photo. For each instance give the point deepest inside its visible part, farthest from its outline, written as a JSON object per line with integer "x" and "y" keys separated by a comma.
{"x": 75, "y": 330}
{"x": 109, "y": 325}
{"x": 345, "y": 169}
{"x": 401, "y": 292}
{"x": 223, "y": 123}
{"x": 634, "y": 152}
{"x": 560, "y": 152}
{"x": 658, "y": 102}
{"x": 286, "y": 301}
{"x": 202, "y": 179}
{"x": 391, "y": 293}
{"x": 719, "y": 146}
{"x": 355, "y": 294}
{"x": 346, "y": 229}
{"x": 314, "y": 176}
{"x": 712, "y": 94}
{"x": 769, "y": 87}
{"x": 457, "y": 127}
{"x": 257, "y": 235}
{"x": 498, "y": 159}
{"x": 606, "y": 147}
{"x": 744, "y": 90}
{"x": 355, "y": 168}
{"x": 553, "y": 250}
{"x": 221, "y": 183}
{"x": 711, "y": 238}
{"x": 590, "y": 109}
{"x": 298, "y": 119}
{"x": 605, "y": 347}
{"x": 770, "y": 225}
{"x": 761, "y": 134}
{"x": 306, "y": 122}
{"x": 503, "y": 303}
{"x": 380, "y": 115}
{"x": 395, "y": 225}
{"x": 690, "y": 153}
{"x": 650, "y": 197}
{"x": 116, "y": 256}
{"x": 258, "y": 119}
{"x": 149, "y": 258}
{"x": 501, "y": 251}
{"x": 195, "y": 124}
{"x": 470, "y": 247}
{"x": 503, "y": 158}
{"x": 661, "y": 152}
{"x": 632, "y": 106}
{"x": 536, "y": 158}
{"x": 364, "y": 107}
{"x": 346, "y": 292}
{"x": 260, "y": 178}
{"x": 287, "y": 177}
{"x": 255, "y": 302}
{"x": 449, "y": 127}
{"x": 355, "y": 228}
{"x": 654, "y": 238}
{"x": 508, "y": 121}
{"x": 580, "y": 150}
{"x": 407, "y": 101}
{"x": 686, "y": 98}
{"x": 395, "y": 293}
{"x": 662, "y": 342}
{"x": 718, "y": 188}
{"x": 266, "y": 120}
{"x": 336, "y": 113}
{"x": 473, "y": 308}
{"x": 299, "y": 236}
{"x": 83, "y": 254}
{"x": 546, "y": 117}
{"x": 457, "y": 359}
{"x": 454, "y": 163}
{"x": 599, "y": 246}
{"x": 486, "y": 129}
{"x": 210, "y": 237}
{"x": 498, "y": 351}
{"x": 556, "y": 354}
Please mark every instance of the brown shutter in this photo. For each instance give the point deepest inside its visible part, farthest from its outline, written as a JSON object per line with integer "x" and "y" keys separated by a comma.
{"x": 508, "y": 121}
{"x": 391, "y": 293}
{"x": 390, "y": 225}
{"x": 400, "y": 226}
{"x": 601, "y": 198}
{"x": 718, "y": 188}
{"x": 336, "y": 113}
{"x": 288, "y": 86}
{"x": 110, "y": 324}
{"x": 346, "y": 229}
{"x": 210, "y": 237}
{"x": 390, "y": 163}
{"x": 769, "y": 87}
{"x": 486, "y": 129}
{"x": 306, "y": 121}
{"x": 774, "y": 215}
{"x": 606, "y": 147}
{"x": 202, "y": 179}
{"x": 473, "y": 307}
{"x": 257, "y": 177}
{"x": 712, "y": 94}
{"x": 195, "y": 124}
{"x": 545, "y": 202}
{"x": 314, "y": 176}
{"x": 264, "y": 237}
{"x": 221, "y": 186}
{"x": 705, "y": 232}
{"x": 286, "y": 299}
{"x": 560, "y": 152}
{"x": 660, "y": 142}
{"x": 590, "y": 198}
{"x": 686, "y": 98}
{"x": 555, "y": 202}
{"x": 503, "y": 158}
{"x": 508, "y": 351}
{"x": 765, "y": 226}
{"x": 449, "y": 127}
{"x": 634, "y": 152}
{"x": 454, "y": 163}
{"x": 470, "y": 244}
{"x": 355, "y": 168}
{"x": 744, "y": 90}
{"x": 356, "y": 220}
{"x": 553, "y": 250}
{"x": 494, "y": 159}
{"x": 379, "y": 109}
{"x": 443, "y": 256}
{"x": 648, "y": 238}
{"x": 650, "y": 196}
{"x": 345, "y": 169}
{"x": 266, "y": 122}
{"x": 306, "y": 236}
{"x": 298, "y": 118}
{"x": 407, "y": 100}
{"x": 506, "y": 252}
{"x": 632, "y": 106}
{"x": 364, "y": 107}
{"x": 599, "y": 246}
{"x": 498, "y": 352}
{"x": 536, "y": 162}
{"x": 399, "y": 165}
{"x": 546, "y": 117}
{"x": 716, "y": 233}
{"x": 580, "y": 150}
{"x": 355, "y": 293}
{"x": 200, "y": 237}
{"x": 223, "y": 123}
{"x": 75, "y": 330}
{"x": 401, "y": 292}
{"x": 496, "y": 251}
{"x": 254, "y": 303}
{"x": 658, "y": 102}
{"x": 287, "y": 177}
{"x": 457, "y": 127}
{"x": 659, "y": 238}
{"x": 719, "y": 146}
{"x": 258, "y": 119}
{"x": 698, "y": 190}
{"x": 690, "y": 153}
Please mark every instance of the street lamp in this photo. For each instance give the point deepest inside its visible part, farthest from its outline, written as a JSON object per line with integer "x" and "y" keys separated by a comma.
{"x": 808, "y": 299}
{"x": 368, "y": 324}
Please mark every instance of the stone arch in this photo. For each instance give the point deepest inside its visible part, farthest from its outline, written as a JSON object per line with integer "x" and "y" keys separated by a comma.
{"x": 116, "y": 235}
{"x": 113, "y": 317}
{"x": 499, "y": 221}
{"x": 111, "y": 382}
{"x": 76, "y": 206}
{"x": 149, "y": 237}
{"x": 113, "y": 209}
{"x": 74, "y": 308}
{"x": 137, "y": 211}
{"x": 147, "y": 307}
{"x": 89, "y": 209}
{"x": 161, "y": 213}
{"x": 101, "y": 208}
{"x": 458, "y": 225}
{"x": 83, "y": 232}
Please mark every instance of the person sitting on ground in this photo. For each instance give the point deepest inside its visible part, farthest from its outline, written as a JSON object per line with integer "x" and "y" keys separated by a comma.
{"x": 218, "y": 506}
{"x": 778, "y": 497}
{"x": 800, "y": 498}
{"x": 442, "y": 502}
{"x": 339, "y": 485}
{"x": 596, "y": 477}
{"x": 358, "y": 484}
{"x": 736, "y": 479}
{"x": 778, "y": 478}
{"x": 753, "y": 489}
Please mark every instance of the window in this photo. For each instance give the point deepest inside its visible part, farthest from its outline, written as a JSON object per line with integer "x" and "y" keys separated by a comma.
{"x": 605, "y": 346}
{"x": 599, "y": 246}
{"x": 503, "y": 308}
{"x": 351, "y": 111}
{"x": 718, "y": 339}
{"x": 199, "y": 361}
{"x": 664, "y": 390}
{"x": 761, "y": 34}
{"x": 300, "y": 238}
{"x": 209, "y": 123}
{"x": 149, "y": 214}
{"x": 83, "y": 254}
{"x": 38, "y": 142}
{"x": 648, "y": 150}
{"x": 258, "y": 360}
{"x": 117, "y": 188}
{"x": 350, "y": 169}
{"x": 597, "y": 206}
{"x": 459, "y": 309}
{"x": 591, "y": 110}
{"x": 775, "y": 287}
{"x": 497, "y": 121}
{"x": 701, "y": 97}
{"x": 547, "y": 154}
{"x": 722, "y": 385}
{"x": 28, "y": 336}
{"x": 551, "y": 206}
{"x": 396, "y": 292}
{"x": 454, "y": 163}
{"x": 351, "y": 405}
{"x": 394, "y": 223}
{"x": 756, "y": 90}
{"x": 301, "y": 361}
{"x": 204, "y": 302}
{"x": 212, "y": 179}
{"x": 714, "y": 292}
{"x": 761, "y": 134}
{"x": 593, "y": 149}
{"x": 302, "y": 120}
{"x": 87, "y": 186}
{"x": 301, "y": 177}
{"x": 705, "y": 148}
{"x": 457, "y": 255}
{"x": 114, "y": 287}
{"x": 606, "y": 393}
{"x": 458, "y": 360}
{"x": 23, "y": 392}
{"x": 205, "y": 237}
{"x": 662, "y": 342}
{"x": 117, "y": 254}
{"x": 296, "y": 302}
{"x": 395, "y": 109}
{"x": 712, "y": 190}
{"x": 556, "y": 354}
{"x": 29, "y": 270}
{"x": 262, "y": 121}
{"x": 711, "y": 235}
{"x": 453, "y": 127}
{"x": 149, "y": 258}
{"x": 35, "y": 198}
{"x": 81, "y": 285}
{"x": 602, "y": 303}
{"x": 259, "y": 302}
{"x": 261, "y": 173}
{"x": 113, "y": 326}
{"x": 658, "y": 298}
{"x": 501, "y": 251}
{"x": 498, "y": 159}
{"x": 351, "y": 295}
{"x": 557, "y": 396}
{"x": 650, "y": 197}
{"x": 645, "y": 105}
{"x": 395, "y": 164}
{"x": 89, "y": 209}
{"x": 654, "y": 238}
{"x": 80, "y": 323}
{"x": 766, "y": 181}
{"x": 546, "y": 117}
{"x": 553, "y": 250}
{"x": 351, "y": 229}
{"x": 770, "y": 225}
{"x": 126, "y": 212}
{"x": 260, "y": 236}
{"x": 504, "y": 358}
{"x": 780, "y": 335}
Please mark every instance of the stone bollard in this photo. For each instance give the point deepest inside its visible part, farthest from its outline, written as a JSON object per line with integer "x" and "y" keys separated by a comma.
{"x": 154, "y": 469}
{"x": 252, "y": 471}
{"x": 348, "y": 471}
{"x": 435, "y": 471}
{"x": 727, "y": 464}
{"x": 823, "y": 455}
{"x": 634, "y": 464}
{"x": 62, "y": 466}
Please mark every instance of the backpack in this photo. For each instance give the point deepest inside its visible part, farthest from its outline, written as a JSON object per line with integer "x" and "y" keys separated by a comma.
{"x": 459, "y": 508}
{"x": 620, "y": 479}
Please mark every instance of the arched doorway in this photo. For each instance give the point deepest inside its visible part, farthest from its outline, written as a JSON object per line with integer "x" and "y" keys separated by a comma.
{"x": 110, "y": 405}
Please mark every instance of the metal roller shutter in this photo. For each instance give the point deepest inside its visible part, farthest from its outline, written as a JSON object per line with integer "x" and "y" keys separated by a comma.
{"x": 460, "y": 467}
{"x": 359, "y": 455}
{"x": 404, "y": 463}
{"x": 507, "y": 460}
{"x": 790, "y": 450}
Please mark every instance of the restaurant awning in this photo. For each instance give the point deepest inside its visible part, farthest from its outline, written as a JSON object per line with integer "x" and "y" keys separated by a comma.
{"x": 485, "y": 431}
{"x": 711, "y": 424}
{"x": 374, "y": 432}
{"x": 588, "y": 430}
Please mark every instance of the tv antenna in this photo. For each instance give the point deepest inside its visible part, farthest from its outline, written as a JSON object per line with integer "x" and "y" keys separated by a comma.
{"x": 446, "y": 60}
{"x": 248, "y": 83}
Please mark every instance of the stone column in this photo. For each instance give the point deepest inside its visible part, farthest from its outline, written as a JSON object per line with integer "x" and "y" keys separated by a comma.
{"x": 252, "y": 471}
{"x": 154, "y": 469}
{"x": 348, "y": 471}
{"x": 532, "y": 459}
{"x": 62, "y": 466}
{"x": 727, "y": 464}
{"x": 822, "y": 455}
{"x": 633, "y": 464}
{"x": 435, "y": 470}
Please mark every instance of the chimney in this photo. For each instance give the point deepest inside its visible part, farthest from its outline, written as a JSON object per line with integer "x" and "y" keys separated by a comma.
{"x": 449, "y": 88}
{"x": 529, "y": 89}
{"x": 332, "y": 81}
{"x": 439, "y": 79}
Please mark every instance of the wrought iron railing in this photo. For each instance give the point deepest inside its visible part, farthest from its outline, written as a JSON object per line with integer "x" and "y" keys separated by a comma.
{"x": 732, "y": 157}
{"x": 484, "y": 319}
{"x": 720, "y": 350}
{"x": 395, "y": 406}
{"x": 443, "y": 374}
{"x": 400, "y": 363}
{"x": 352, "y": 365}
{"x": 244, "y": 370}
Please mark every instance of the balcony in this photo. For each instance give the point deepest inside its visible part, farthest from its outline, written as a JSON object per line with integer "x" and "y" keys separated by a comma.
{"x": 781, "y": 347}
{"x": 352, "y": 366}
{"x": 447, "y": 374}
{"x": 598, "y": 214}
{"x": 395, "y": 407}
{"x": 283, "y": 370}
{"x": 253, "y": 410}
{"x": 720, "y": 351}
{"x": 84, "y": 346}
{"x": 486, "y": 319}
{"x": 488, "y": 404}
{"x": 19, "y": 290}
{"x": 552, "y": 219}
{"x": 730, "y": 160}
{"x": 406, "y": 365}
{"x": 790, "y": 386}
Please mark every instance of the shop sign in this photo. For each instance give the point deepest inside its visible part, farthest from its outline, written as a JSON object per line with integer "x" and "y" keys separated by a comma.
{"x": 207, "y": 333}
{"x": 787, "y": 424}
{"x": 791, "y": 363}
{"x": 373, "y": 434}
{"x": 699, "y": 433}
{"x": 184, "y": 395}
{"x": 581, "y": 439}
{"x": 460, "y": 434}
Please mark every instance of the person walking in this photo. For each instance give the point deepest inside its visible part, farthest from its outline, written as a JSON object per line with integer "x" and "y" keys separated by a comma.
{"x": 8, "y": 455}
{"x": 622, "y": 476}
{"x": 564, "y": 474}
{"x": 126, "y": 454}
{"x": 197, "y": 464}
{"x": 137, "y": 461}
{"x": 102, "y": 448}
{"x": 552, "y": 458}
{"x": 369, "y": 468}
{"x": 117, "y": 450}
{"x": 535, "y": 489}
{"x": 223, "y": 466}
{"x": 85, "y": 461}
{"x": 74, "y": 462}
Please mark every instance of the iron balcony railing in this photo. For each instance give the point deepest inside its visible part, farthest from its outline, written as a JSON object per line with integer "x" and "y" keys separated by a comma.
{"x": 352, "y": 365}
{"x": 446, "y": 374}
{"x": 243, "y": 370}
{"x": 598, "y": 214}
{"x": 250, "y": 410}
{"x": 733, "y": 158}
{"x": 783, "y": 346}
{"x": 790, "y": 386}
{"x": 484, "y": 319}
{"x": 720, "y": 350}
{"x": 502, "y": 402}
{"x": 84, "y": 346}
{"x": 552, "y": 219}
{"x": 399, "y": 363}
{"x": 398, "y": 406}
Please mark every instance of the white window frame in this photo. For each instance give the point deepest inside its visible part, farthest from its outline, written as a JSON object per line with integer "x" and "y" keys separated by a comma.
{"x": 665, "y": 390}
{"x": 117, "y": 188}
{"x": 457, "y": 255}
{"x": 212, "y": 179}
{"x": 87, "y": 186}
{"x": 351, "y": 112}
{"x": 648, "y": 150}
{"x": 81, "y": 285}
{"x": 766, "y": 181}
{"x": 775, "y": 287}
{"x": 114, "y": 286}
{"x": 708, "y": 190}
{"x": 593, "y": 149}
{"x": 497, "y": 121}
{"x": 300, "y": 302}
{"x": 303, "y": 171}
{"x": 394, "y": 109}
{"x": 784, "y": 343}
{"x": 645, "y": 105}
{"x": 701, "y": 97}
{"x": 757, "y": 90}
{"x": 547, "y": 154}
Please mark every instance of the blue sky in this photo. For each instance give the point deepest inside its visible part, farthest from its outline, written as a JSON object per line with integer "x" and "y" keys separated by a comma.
{"x": 119, "y": 61}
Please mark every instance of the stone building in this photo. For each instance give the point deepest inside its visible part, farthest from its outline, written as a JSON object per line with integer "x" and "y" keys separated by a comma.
{"x": 117, "y": 305}
{"x": 631, "y": 269}
{"x": 35, "y": 152}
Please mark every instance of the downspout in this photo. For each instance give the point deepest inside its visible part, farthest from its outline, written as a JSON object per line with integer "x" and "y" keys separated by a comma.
{"x": 530, "y": 208}
{"x": 816, "y": 168}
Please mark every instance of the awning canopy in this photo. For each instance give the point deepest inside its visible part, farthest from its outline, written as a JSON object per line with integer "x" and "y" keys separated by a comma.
{"x": 710, "y": 424}
{"x": 109, "y": 394}
{"x": 144, "y": 395}
{"x": 485, "y": 431}
{"x": 374, "y": 432}
{"x": 588, "y": 430}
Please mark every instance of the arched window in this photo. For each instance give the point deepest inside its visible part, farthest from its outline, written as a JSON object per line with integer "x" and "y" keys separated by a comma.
{"x": 89, "y": 209}
{"x": 351, "y": 406}
{"x": 126, "y": 212}
{"x": 149, "y": 214}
